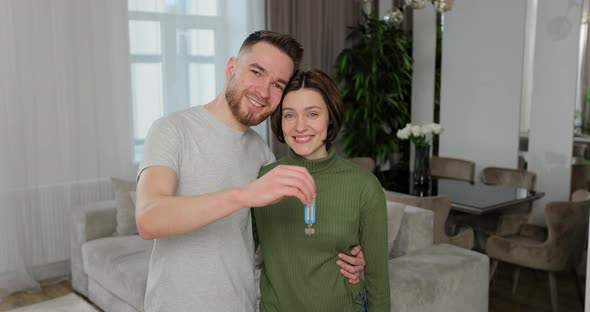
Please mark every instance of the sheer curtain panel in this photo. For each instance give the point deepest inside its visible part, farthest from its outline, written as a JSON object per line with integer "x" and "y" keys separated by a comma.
{"x": 65, "y": 126}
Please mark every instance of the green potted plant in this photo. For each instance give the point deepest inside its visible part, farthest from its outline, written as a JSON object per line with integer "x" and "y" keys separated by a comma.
{"x": 582, "y": 122}
{"x": 375, "y": 78}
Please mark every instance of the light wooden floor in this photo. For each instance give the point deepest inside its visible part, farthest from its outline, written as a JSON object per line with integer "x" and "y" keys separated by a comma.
{"x": 48, "y": 291}
{"x": 532, "y": 293}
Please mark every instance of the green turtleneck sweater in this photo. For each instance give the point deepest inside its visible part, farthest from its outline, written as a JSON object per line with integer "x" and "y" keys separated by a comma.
{"x": 300, "y": 271}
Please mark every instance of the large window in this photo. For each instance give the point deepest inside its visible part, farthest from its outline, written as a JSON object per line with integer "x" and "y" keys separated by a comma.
{"x": 178, "y": 52}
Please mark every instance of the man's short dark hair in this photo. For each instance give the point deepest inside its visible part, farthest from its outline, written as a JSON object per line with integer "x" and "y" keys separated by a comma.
{"x": 321, "y": 82}
{"x": 283, "y": 42}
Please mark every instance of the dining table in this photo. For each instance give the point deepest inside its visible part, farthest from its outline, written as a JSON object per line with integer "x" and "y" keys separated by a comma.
{"x": 473, "y": 198}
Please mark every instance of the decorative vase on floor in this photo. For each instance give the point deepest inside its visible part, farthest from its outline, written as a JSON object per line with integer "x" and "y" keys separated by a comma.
{"x": 421, "y": 175}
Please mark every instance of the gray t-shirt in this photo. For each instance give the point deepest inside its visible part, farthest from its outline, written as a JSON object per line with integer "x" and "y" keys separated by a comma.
{"x": 210, "y": 269}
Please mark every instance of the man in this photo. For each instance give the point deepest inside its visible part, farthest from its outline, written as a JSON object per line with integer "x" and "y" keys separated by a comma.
{"x": 197, "y": 181}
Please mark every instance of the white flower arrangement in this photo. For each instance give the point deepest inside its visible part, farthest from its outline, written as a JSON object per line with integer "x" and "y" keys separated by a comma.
{"x": 419, "y": 135}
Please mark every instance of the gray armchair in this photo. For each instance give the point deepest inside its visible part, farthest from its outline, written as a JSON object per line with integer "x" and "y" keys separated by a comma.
{"x": 551, "y": 249}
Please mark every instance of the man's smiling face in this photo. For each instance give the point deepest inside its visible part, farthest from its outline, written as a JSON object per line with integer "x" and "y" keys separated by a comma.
{"x": 257, "y": 79}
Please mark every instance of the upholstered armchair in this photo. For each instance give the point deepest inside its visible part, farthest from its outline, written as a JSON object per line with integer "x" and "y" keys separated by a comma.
{"x": 365, "y": 162}
{"x": 580, "y": 256}
{"x": 580, "y": 178}
{"x": 551, "y": 249}
{"x": 452, "y": 168}
{"x": 440, "y": 206}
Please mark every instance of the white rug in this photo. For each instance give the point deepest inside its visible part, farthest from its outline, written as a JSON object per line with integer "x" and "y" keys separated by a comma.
{"x": 67, "y": 303}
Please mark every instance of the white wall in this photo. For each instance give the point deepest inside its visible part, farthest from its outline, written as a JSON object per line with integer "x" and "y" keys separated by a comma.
{"x": 424, "y": 55}
{"x": 481, "y": 81}
{"x": 553, "y": 99}
{"x": 484, "y": 57}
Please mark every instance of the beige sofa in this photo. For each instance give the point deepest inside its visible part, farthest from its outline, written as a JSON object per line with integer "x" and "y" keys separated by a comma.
{"x": 427, "y": 277}
{"x": 112, "y": 270}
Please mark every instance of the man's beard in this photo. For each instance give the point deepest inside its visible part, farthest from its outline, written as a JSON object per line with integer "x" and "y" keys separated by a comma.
{"x": 248, "y": 119}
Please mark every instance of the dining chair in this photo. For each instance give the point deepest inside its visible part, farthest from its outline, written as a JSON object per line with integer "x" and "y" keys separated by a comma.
{"x": 551, "y": 249}
{"x": 440, "y": 206}
{"x": 522, "y": 163}
{"x": 365, "y": 162}
{"x": 509, "y": 221}
{"x": 579, "y": 150}
{"x": 580, "y": 177}
{"x": 509, "y": 177}
{"x": 452, "y": 168}
{"x": 579, "y": 196}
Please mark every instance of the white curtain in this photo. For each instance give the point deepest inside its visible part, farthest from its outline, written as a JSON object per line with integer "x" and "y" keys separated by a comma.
{"x": 65, "y": 125}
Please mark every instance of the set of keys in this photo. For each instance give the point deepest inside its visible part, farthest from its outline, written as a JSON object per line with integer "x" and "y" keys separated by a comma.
{"x": 310, "y": 218}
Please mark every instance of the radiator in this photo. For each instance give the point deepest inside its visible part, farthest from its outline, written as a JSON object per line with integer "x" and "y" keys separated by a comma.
{"x": 35, "y": 222}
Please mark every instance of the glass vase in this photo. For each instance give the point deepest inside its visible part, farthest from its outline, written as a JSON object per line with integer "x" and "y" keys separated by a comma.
{"x": 421, "y": 174}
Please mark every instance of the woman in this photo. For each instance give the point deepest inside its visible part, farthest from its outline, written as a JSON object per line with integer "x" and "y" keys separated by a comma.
{"x": 300, "y": 244}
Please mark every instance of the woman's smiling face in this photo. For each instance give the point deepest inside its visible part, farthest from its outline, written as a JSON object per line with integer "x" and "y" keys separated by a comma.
{"x": 305, "y": 120}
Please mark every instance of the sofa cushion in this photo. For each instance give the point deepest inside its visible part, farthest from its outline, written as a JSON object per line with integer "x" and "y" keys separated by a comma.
{"x": 395, "y": 214}
{"x": 416, "y": 231}
{"x": 119, "y": 264}
{"x": 125, "y": 207}
{"x": 133, "y": 195}
{"x": 106, "y": 301}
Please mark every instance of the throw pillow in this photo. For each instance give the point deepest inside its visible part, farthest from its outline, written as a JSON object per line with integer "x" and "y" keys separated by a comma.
{"x": 125, "y": 207}
{"x": 395, "y": 214}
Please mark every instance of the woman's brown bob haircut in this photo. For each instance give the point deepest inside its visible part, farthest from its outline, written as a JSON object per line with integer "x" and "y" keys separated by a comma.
{"x": 319, "y": 81}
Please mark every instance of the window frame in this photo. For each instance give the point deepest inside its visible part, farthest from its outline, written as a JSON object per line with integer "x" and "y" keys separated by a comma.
{"x": 175, "y": 60}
